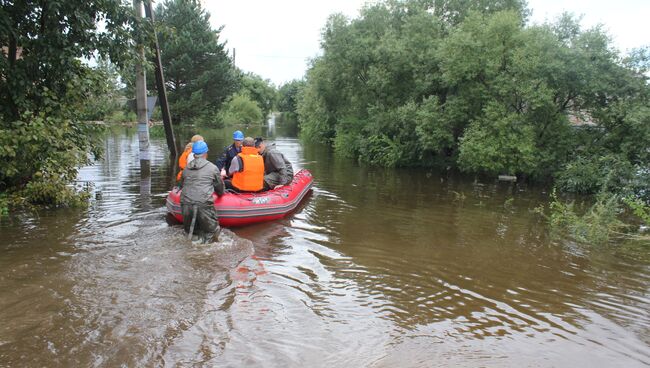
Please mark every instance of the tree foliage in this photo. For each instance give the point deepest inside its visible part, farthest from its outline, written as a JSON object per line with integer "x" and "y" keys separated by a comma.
{"x": 44, "y": 85}
{"x": 259, "y": 90}
{"x": 107, "y": 98}
{"x": 470, "y": 85}
{"x": 240, "y": 109}
{"x": 288, "y": 96}
{"x": 200, "y": 76}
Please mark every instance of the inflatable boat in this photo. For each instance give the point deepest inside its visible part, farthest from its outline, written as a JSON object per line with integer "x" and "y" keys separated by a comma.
{"x": 238, "y": 209}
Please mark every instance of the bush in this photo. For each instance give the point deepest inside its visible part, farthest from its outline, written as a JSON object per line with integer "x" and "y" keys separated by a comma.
{"x": 594, "y": 174}
{"x": 48, "y": 91}
{"x": 597, "y": 225}
{"x": 259, "y": 90}
{"x": 157, "y": 131}
{"x": 121, "y": 116}
{"x": 287, "y": 119}
{"x": 4, "y": 205}
{"x": 54, "y": 192}
{"x": 639, "y": 208}
{"x": 380, "y": 150}
{"x": 499, "y": 143}
{"x": 240, "y": 109}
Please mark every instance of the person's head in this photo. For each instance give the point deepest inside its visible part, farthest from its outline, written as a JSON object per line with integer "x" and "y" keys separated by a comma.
{"x": 259, "y": 144}
{"x": 248, "y": 142}
{"x": 196, "y": 138}
{"x": 200, "y": 149}
{"x": 238, "y": 138}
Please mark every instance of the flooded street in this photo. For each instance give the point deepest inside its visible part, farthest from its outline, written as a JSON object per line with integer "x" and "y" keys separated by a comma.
{"x": 377, "y": 268}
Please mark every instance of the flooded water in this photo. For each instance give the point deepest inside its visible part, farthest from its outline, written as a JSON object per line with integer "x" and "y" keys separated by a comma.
{"x": 378, "y": 268}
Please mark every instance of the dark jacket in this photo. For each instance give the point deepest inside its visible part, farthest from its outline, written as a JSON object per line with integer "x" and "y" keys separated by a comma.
{"x": 200, "y": 179}
{"x": 229, "y": 153}
{"x": 274, "y": 161}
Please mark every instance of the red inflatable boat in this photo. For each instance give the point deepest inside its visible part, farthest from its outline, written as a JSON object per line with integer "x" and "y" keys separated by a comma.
{"x": 237, "y": 209}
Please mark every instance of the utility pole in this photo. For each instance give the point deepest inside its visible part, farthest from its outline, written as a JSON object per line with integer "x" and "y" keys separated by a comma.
{"x": 160, "y": 85}
{"x": 141, "y": 108}
{"x": 141, "y": 97}
{"x": 233, "y": 56}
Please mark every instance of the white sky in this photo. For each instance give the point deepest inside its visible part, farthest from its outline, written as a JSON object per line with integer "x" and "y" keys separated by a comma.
{"x": 276, "y": 39}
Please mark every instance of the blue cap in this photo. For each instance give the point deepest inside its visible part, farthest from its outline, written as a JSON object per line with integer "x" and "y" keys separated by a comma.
{"x": 199, "y": 148}
{"x": 238, "y": 135}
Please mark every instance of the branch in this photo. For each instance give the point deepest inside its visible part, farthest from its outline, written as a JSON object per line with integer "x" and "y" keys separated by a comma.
{"x": 569, "y": 98}
{"x": 12, "y": 55}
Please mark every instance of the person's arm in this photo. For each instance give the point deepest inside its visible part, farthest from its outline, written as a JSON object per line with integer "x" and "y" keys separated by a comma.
{"x": 219, "y": 187}
{"x": 236, "y": 165}
{"x": 182, "y": 161}
{"x": 181, "y": 180}
{"x": 277, "y": 160}
{"x": 221, "y": 161}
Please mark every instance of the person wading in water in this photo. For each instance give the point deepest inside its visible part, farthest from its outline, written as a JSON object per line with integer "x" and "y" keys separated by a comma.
{"x": 200, "y": 180}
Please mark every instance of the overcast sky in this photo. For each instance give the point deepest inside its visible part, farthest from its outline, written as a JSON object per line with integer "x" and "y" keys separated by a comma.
{"x": 276, "y": 39}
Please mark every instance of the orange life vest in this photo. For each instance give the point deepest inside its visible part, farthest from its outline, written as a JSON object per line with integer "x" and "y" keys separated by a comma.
{"x": 182, "y": 162}
{"x": 251, "y": 179}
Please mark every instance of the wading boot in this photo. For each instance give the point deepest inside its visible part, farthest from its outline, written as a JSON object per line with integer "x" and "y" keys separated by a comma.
{"x": 212, "y": 237}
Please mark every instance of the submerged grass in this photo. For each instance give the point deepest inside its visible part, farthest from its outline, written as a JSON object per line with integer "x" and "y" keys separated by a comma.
{"x": 4, "y": 205}
{"x": 606, "y": 220}
{"x": 43, "y": 195}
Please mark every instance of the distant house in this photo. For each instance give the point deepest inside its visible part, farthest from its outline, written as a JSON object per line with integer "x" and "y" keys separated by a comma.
{"x": 580, "y": 118}
{"x": 19, "y": 52}
{"x": 5, "y": 53}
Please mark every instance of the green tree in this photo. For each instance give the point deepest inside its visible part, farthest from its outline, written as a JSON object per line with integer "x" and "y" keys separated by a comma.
{"x": 288, "y": 96}
{"x": 259, "y": 90}
{"x": 240, "y": 109}
{"x": 200, "y": 75}
{"x": 107, "y": 97}
{"x": 379, "y": 67}
{"x": 468, "y": 84}
{"x": 44, "y": 85}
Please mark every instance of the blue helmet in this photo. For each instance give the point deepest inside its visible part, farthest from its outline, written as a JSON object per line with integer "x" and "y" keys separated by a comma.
{"x": 199, "y": 148}
{"x": 238, "y": 135}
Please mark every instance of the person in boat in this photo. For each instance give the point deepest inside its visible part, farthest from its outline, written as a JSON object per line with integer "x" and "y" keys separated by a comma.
{"x": 200, "y": 180}
{"x": 246, "y": 169}
{"x": 277, "y": 169}
{"x": 230, "y": 152}
{"x": 187, "y": 155}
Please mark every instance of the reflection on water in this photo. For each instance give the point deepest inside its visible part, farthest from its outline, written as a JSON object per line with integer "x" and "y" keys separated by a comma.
{"x": 378, "y": 268}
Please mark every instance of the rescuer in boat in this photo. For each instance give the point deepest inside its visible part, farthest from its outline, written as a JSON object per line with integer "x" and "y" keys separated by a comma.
{"x": 200, "y": 180}
{"x": 230, "y": 152}
{"x": 246, "y": 169}
{"x": 277, "y": 169}
{"x": 187, "y": 155}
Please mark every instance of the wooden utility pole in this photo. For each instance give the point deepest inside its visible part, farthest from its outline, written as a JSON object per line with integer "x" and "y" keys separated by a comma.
{"x": 141, "y": 98}
{"x": 160, "y": 85}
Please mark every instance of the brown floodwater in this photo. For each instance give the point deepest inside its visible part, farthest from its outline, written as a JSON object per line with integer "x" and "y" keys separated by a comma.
{"x": 378, "y": 268}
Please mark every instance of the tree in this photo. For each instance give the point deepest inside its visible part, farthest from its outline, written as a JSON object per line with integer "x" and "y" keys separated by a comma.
{"x": 259, "y": 90}
{"x": 44, "y": 84}
{"x": 381, "y": 66}
{"x": 240, "y": 109}
{"x": 200, "y": 75}
{"x": 107, "y": 97}
{"x": 288, "y": 96}
{"x": 468, "y": 84}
